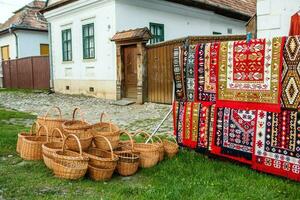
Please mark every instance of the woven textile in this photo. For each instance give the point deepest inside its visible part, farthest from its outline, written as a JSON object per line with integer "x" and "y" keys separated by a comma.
{"x": 277, "y": 146}
{"x": 249, "y": 74}
{"x": 206, "y": 118}
{"x": 178, "y": 73}
{"x": 179, "y": 122}
{"x": 291, "y": 74}
{"x": 234, "y": 134}
{"x": 206, "y": 65}
{"x": 190, "y": 75}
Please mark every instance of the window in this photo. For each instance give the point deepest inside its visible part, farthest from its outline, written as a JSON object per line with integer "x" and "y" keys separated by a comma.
{"x": 229, "y": 30}
{"x": 67, "y": 45}
{"x": 5, "y": 52}
{"x": 44, "y": 49}
{"x": 88, "y": 41}
{"x": 157, "y": 31}
{"x": 216, "y": 33}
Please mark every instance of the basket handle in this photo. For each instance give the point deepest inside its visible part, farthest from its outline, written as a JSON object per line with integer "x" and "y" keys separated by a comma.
{"x": 53, "y": 108}
{"x": 56, "y": 130}
{"x": 172, "y": 137}
{"x": 77, "y": 140}
{"x": 35, "y": 126}
{"x": 39, "y": 131}
{"x": 129, "y": 135}
{"x": 77, "y": 109}
{"x": 141, "y": 132}
{"x": 103, "y": 114}
{"x": 111, "y": 149}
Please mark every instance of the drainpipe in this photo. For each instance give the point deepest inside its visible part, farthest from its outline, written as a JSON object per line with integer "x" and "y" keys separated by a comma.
{"x": 50, "y": 58}
{"x": 11, "y": 30}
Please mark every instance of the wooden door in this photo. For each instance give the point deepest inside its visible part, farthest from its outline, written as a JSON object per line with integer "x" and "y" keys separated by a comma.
{"x": 130, "y": 70}
{"x": 5, "y": 52}
{"x": 44, "y": 49}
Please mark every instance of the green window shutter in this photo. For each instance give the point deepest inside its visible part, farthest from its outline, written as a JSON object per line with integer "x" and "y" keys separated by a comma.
{"x": 66, "y": 45}
{"x": 158, "y": 32}
{"x": 88, "y": 41}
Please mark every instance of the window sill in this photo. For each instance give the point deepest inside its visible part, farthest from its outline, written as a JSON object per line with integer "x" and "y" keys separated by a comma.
{"x": 68, "y": 62}
{"x": 89, "y": 60}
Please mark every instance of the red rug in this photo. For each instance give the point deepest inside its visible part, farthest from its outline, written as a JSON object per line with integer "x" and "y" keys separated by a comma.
{"x": 234, "y": 134}
{"x": 277, "y": 146}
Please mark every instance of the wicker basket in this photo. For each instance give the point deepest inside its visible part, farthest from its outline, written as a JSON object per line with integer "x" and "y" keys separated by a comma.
{"x": 161, "y": 148}
{"x": 99, "y": 174}
{"x": 149, "y": 153}
{"x": 81, "y": 129}
{"x": 69, "y": 164}
{"x": 51, "y": 122}
{"x": 51, "y": 147}
{"x": 108, "y": 130}
{"x": 35, "y": 126}
{"x": 128, "y": 163}
{"x": 31, "y": 148}
{"x": 125, "y": 146}
{"x": 171, "y": 148}
{"x": 101, "y": 158}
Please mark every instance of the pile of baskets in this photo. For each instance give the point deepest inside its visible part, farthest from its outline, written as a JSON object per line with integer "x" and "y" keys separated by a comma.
{"x": 74, "y": 148}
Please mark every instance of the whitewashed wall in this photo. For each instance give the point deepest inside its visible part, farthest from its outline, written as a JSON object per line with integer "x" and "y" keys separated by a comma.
{"x": 101, "y": 13}
{"x": 178, "y": 20}
{"x": 29, "y": 42}
{"x": 274, "y": 16}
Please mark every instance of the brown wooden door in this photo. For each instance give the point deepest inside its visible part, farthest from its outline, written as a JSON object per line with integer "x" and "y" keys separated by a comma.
{"x": 130, "y": 69}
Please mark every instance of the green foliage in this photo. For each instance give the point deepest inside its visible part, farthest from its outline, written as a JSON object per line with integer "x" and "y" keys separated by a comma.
{"x": 188, "y": 176}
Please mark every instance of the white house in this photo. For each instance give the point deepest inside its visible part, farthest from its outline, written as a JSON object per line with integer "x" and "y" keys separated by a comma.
{"x": 274, "y": 17}
{"x": 83, "y": 55}
{"x": 24, "y": 34}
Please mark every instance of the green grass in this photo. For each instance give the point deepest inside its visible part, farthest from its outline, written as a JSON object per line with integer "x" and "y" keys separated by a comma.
{"x": 24, "y": 90}
{"x": 187, "y": 176}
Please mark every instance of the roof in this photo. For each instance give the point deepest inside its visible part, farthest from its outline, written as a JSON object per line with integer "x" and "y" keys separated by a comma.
{"x": 27, "y": 17}
{"x": 143, "y": 34}
{"x": 237, "y": 9}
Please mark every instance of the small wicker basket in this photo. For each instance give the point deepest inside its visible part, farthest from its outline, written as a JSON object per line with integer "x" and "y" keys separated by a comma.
{"x": 101, "y": 158}
{"x": 81, "y": 129}
{"x": 149, "y": 153}
{"x": 31, "y": 148}
{"x": 108, "y": 130}
{"x": 35, "y": 126}
{"x": 51, "y": 122}
{"x": 128, "y": 163}
{"x": 171, "y": 148}
{"x": 51, "y": 147}
{"x": 100, "y": 174}
{"x": 69, "y": 164}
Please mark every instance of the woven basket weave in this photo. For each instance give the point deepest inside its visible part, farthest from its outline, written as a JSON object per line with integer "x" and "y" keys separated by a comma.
{"x": 31, "y": 148}
{"x": 51, "y": 122}
{"x": 51, "y": 147}
{"x": 35, "y": 126}
{"x": 69, "y": 164}
{"x": 171, "y": 148}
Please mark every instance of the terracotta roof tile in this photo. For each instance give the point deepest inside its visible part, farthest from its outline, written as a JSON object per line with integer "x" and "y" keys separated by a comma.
{"x": 28, "y": 17}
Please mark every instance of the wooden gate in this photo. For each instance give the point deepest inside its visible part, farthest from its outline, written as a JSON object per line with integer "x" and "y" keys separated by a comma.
{"x": 27, "y": 73}
{"x": 159, "y": 65}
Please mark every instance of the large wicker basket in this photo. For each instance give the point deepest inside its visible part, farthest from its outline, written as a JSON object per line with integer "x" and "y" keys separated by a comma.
{"x": 31, "y": 148}
{"x": 51, "y": 147}
{"x": 108, "y": 130}
{"x": 35, "y": 126}
{"x": 81, "y": 129}
{"x": 101, "y": 158}
{"x": 69, "y": 164}
{"x": 149, "y": 153}
{"x": 128, "y": 163}
{"x": 99, "y": 174}
{"x": 51, "y": 122}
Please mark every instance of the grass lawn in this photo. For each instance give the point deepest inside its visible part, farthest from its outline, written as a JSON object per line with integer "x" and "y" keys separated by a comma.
{"x": 188, "y": 176}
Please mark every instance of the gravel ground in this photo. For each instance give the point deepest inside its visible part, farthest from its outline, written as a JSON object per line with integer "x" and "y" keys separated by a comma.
{"x": 132, "y": 117}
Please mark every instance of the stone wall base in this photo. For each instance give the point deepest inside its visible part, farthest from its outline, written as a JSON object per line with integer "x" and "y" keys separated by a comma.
{"x": 102, "y": 89}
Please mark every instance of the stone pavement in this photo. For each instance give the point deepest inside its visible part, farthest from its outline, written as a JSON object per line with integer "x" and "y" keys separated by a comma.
{"x": 132, "y": 117}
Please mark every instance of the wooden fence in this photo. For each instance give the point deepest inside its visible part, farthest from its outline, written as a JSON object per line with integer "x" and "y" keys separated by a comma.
{"x": 159, "y": 65}
{"x": 27, "y": 73}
